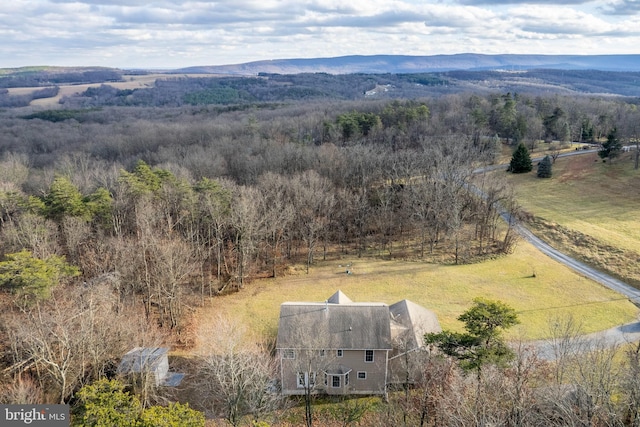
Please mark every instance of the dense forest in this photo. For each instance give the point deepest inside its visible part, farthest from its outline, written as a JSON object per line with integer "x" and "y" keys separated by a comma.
{"x": 151, "y": 201}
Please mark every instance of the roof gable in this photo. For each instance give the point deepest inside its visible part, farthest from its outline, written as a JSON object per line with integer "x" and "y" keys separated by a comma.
{"x": 339, "y": 298}
{"x": 411, "y": 321}
{"x": 339, "y": 323}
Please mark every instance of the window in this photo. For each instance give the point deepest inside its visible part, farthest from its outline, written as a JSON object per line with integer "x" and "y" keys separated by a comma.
{"x": 323, "y": 353}
{"x": 288, "y": 353}
{"x": 306, "y": 379}
{"x": 346, "y": 379}
{"x": 335, "y": 381}
{"x": 368, "y": 356}
{"x": 339, "y": 353}
{"x": 362, "y": 375}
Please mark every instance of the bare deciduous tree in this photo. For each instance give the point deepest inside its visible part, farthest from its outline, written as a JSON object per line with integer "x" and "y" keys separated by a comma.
{"x": 70, "y": 339}
{"x": 235, "y": 376}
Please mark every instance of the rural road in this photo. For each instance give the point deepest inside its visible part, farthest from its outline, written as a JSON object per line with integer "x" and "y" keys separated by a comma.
{"x": 604, "y": 279}
{"x": 611, "y": 337}
{"x": 614, "y": 336}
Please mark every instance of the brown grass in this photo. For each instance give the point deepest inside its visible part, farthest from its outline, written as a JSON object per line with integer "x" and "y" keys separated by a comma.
{"x": 449, "y": 290}
{"x": 588, "y": 209}
{"x": 593, "y": 203}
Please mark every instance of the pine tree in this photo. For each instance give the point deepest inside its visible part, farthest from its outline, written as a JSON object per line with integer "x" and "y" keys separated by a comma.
{"x": 544, "y": 168}
{"x": 612, "y": 147}
{"x": 521, "y": 161}
{"x": 482, "y": 343}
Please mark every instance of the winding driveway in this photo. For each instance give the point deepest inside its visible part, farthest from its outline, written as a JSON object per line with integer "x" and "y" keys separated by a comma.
{"x": 618, "y": 335}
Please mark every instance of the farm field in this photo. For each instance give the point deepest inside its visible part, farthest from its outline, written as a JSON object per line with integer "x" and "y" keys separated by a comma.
{"x": 554, "y": 293}
{"x": 130, "y": 82}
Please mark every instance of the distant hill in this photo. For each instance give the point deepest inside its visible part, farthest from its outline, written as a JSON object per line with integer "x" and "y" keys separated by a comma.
{"x": 382, "y": 64}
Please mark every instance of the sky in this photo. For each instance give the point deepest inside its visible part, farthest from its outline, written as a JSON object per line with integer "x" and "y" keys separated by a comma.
{"x": 161, "y": 34}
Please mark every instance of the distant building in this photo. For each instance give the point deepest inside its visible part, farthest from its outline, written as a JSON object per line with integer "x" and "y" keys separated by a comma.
{"x": 342, "y": 347}
{"x": 150, "y": 360}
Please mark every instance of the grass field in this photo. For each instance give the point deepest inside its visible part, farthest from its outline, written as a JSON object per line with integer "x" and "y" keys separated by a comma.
{"x": 590, "y": 209}
{"x": 448, "y": 290}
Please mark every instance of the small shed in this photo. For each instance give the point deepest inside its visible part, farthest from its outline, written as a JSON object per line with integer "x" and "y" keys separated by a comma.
{"x": 150, "y": 360}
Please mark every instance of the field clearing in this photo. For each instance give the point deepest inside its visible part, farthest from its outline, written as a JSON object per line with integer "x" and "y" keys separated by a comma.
{"x": 585, "y": 194}
{"x": 589, "y": 210}
{"x": 448, "y": 290}
{"x": 131, "y": 82}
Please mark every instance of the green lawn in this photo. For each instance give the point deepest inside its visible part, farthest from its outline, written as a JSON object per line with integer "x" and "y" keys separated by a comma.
{"x": 588, "y": 209}
{"x": 598, "y": 199}
{"x": 448, "y": 290}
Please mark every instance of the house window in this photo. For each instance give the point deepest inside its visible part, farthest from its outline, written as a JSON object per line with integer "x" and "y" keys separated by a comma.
{"x": 362, "y": 375}
{"x": 368, "y": 356}
{"x": 339, "y": 353}
{"x": 346, "y": 379}
{"x": 335, "y": 381}
{"x": 289, "y": 353}
{"x": 306, "y": 379}
{"x": 323, "y": 353}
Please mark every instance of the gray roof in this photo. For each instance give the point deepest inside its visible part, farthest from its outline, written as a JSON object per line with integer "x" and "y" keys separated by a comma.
{"x": 409, "y": 323}
{"x": 173, "y": 379}
{"x": 339, "y": 323}
{"x": 334, "y": 326}
{"x": 142, "y": 358}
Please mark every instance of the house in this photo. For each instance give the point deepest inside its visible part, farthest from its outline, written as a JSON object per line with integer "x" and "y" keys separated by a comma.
{"x": 153, "y": 361}
{"x": 343, "y": 347}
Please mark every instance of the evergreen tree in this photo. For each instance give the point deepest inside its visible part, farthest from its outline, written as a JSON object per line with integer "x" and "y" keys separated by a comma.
{"x": 174, "y": 415}
{"x": 544, "y": 168}
{"x": 26, "y": 275}
{"x": 612, "y": 147}
{"x": 521, "y": 161}
{"x": 482, "y": 343}
{"x": 63, "y": 199}
{"x": 105, "y": 403}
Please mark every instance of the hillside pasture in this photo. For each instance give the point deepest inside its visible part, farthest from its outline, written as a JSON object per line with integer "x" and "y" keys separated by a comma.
{"x": 589, "y": 208}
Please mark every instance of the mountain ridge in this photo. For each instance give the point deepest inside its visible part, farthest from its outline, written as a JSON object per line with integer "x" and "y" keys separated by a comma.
{"x": 382, "y": 64}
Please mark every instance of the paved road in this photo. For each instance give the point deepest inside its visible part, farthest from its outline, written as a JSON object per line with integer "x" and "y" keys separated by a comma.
{"x": 623, "y": 334}
{"x": 614, "y": 336}
{"x": 610, "y": 282}
{"x": 611, "y": 337}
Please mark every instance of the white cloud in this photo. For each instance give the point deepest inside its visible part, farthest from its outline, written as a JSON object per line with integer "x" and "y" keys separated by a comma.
{"x": 558, "y": 21}
{"x": 176, "y": 33}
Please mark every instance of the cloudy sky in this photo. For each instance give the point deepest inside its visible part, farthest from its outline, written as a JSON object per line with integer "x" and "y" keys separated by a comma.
{"x": 180, "y": 33}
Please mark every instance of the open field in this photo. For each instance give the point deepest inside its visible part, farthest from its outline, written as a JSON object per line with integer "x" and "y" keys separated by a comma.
{"x": 590, "y": 209}
{"x": 131, "y": 82}
{"x": 448, "y": 290}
